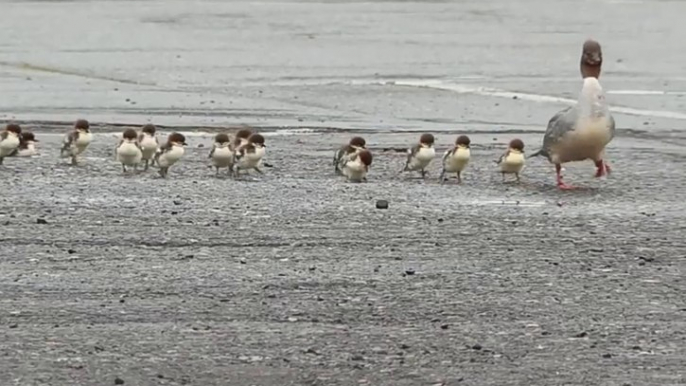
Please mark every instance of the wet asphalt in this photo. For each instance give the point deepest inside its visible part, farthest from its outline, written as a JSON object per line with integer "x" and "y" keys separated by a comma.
{"x": 295, "y": 277}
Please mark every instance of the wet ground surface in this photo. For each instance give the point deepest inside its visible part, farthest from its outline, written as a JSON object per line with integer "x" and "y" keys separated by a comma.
{"x": 294, "y": 277}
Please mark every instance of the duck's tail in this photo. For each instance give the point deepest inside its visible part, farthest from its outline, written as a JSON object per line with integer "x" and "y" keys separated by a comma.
{"x": 540, "y": 152}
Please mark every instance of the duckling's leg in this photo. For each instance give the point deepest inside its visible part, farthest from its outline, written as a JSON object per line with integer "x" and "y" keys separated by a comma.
{"x": 440, "y": 177}
{"x": 423, "y": 173}
{"x": 123, "y": 168}
{"x": 503, "y": 174}
{"x": 163, "y": 172}
{"x": 147, "y": 162}
{"x": 74, "y": 161}
{"x": 258, "y": 170}
{"x": 517, "y": 175}
{"x": 459, "y": 177}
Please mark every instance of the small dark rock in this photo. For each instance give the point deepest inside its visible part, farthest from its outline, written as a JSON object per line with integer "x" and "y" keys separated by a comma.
{"x": 440, "y": 220}
{"x": 41, "y": 221}
{"x": 444, "y": 326}
{"x": 200, "y": 145}
{"x": 477, "y": 347}
{"x": 122, "y": 301}
{"x": 14, "y": 325}
{"x": 404, "y": 346}
{"x": 311, "y": 351}
{"x": 174, "y": 213}
{"x": 357, "y": 357}
{"x": 243, "y": 261}
{"x": 637, "y": 348}
{"x": 118, "y": 381}
{"x": 607, "y": 355}
{"x": 647, "y": 259}
{"x": 71, "y": 251}
{"x": 160, "y": 376}
{"x": 177, "y": 202}
{"x": 410, "y": 271}
{"x": 582, "y": 334}
{"x": 381, "y": 204}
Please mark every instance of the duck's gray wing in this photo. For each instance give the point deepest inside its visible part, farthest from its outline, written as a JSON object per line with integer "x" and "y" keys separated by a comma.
{"x": 560, "y": 124}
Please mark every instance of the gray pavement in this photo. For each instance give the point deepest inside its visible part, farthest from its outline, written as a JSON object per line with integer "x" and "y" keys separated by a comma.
{"x": 294, "y": 278}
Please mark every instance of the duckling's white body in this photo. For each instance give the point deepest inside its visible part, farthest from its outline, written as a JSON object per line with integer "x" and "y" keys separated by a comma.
{"x": 129, "y": 154}
{"x": 148, "y": 144}
{"x": 422, "y": 158}
{"x": 28, "y": 151}
{"x": 171, "y": 156}
{"x": 222, "y": 156}
{"x": 512, "y": 163}
{"x": 355, "y": 170}
{"x": 75, "y": 147}
{"x": 251, "y": 160}
{"x": 9, "y": 144}
{"x": 457, "y": 160}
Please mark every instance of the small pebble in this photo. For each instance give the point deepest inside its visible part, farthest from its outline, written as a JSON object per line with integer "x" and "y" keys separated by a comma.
{"x": 410, "y": 271}
{"x": 71, "y": 251}
{"x": 381, "y": 204}
{"x": 444, "y": 326}
{"x": 477, "y": 347}
{"x": 41, "y": 221}
{"x": 607, "y": 355}
{"x": 118, "y": 381}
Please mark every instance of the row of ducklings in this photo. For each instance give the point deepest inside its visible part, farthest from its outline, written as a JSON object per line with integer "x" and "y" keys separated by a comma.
{"x": 246, "y": 150}
{"x": 134, "y": 148}
{"x": 354, "y": 159}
